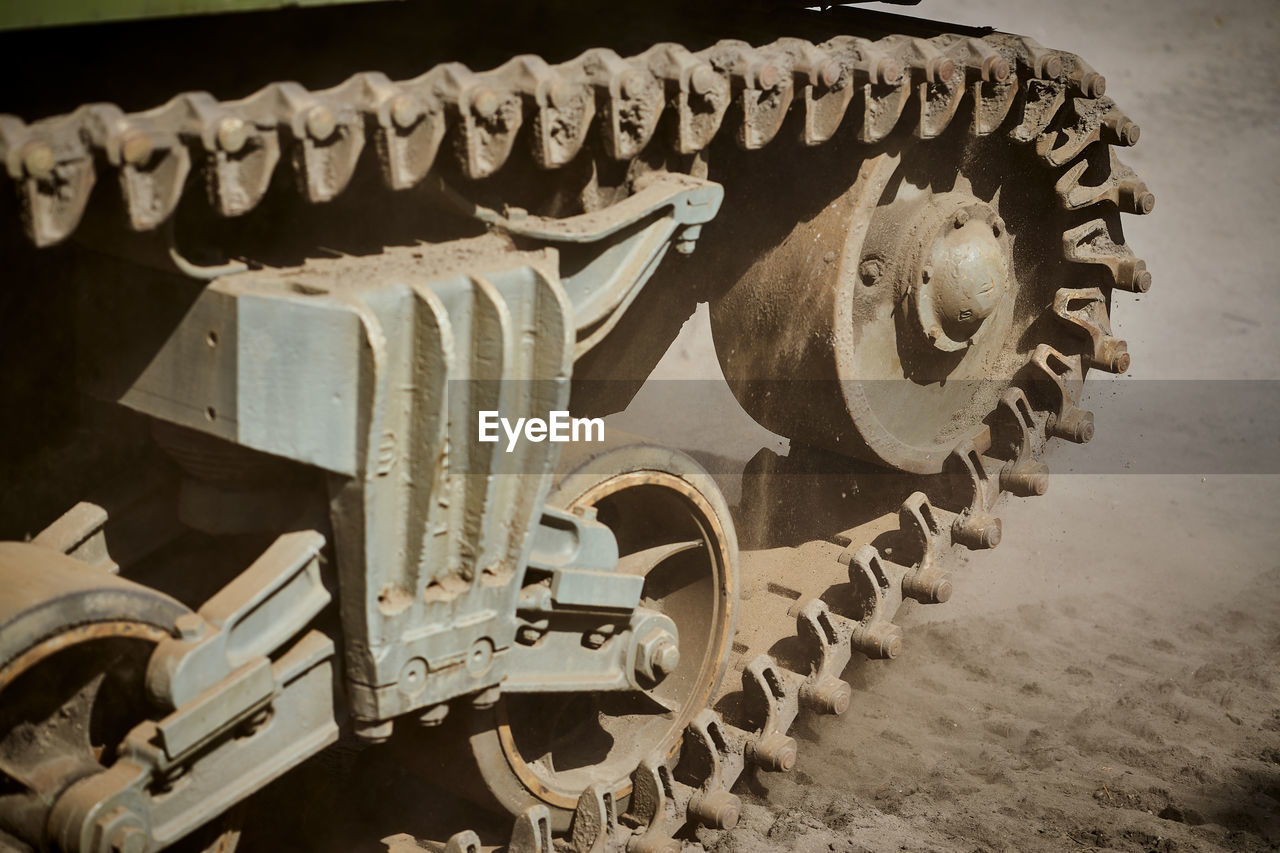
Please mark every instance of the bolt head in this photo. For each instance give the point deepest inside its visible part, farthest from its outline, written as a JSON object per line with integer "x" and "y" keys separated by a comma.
{"x": 829, "y": 72}
{"x": 996, "y": 68}
{"x": 190, "y": 626}
{"x": 233, "y": 134}
{"x": 664, "y": 659}
{"x": 960, "y": 219}
{"x": 633, "y": 84}
{"x": 1051, "y": 66}
{"x": 321, "y": 125}
{"x": 870, "y": 270}
{"x": 485, "y": 102}
{"x": 405, "y": 111}
{"x": 944, "y": 70}
{"x": 129, "y": 839}
{"x": 768, "y": 76}
{"x": 888, "y": 72}
{"x": 136, "y": 147}
{"x": 703, "y": 79}
{"x": 37, "y": 159}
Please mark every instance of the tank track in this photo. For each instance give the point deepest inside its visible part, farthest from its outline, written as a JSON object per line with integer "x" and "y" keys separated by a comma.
{"x": 1047, "y": 99}
{"x": 1059, "y": 107}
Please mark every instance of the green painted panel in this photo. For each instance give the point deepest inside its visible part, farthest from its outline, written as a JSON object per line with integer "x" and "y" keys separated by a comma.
{"x": 28, "y": 14}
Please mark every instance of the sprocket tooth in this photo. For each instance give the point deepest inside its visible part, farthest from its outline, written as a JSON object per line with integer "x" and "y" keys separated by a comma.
{"x": 937, "y": 82}
{"x": 772, "y": 698}
{"x": 595, "y": 822}
{"x": 699, "y": 94}
{"x": 877, "y": 75}
{"x": 1121, "y": 187}
{"x": 241, "y": 143}
{"x": 1065, "y": 377}
{"x": 629, "y": 100}
{"x": 877, "y": 588}
{"x": 1096, "y": 120}
{"x": 988, "y": 77}
{"x": 1017, "y": 434}
{"x": 327, "y": 135}
{"x": 532, "y": 832}
{"x": 54, "y": 173}
{"x": 1040, "y": 105}
{"x": 659, "y": 805}
{"x": 561, "y": 106}
{"x": 826, "y": 637}
{"x": 1084, "y": 310}
{"x": 824, "y": 88}
{"x": 714, "y": 754}
{"x": 976, "y": 528}
{"x": 484, "y": 117}
{"x": 762, "y": 89}
{"x": 152, "y": 161}
{"x": 927, "y": 582}
{"x": 1091, "y": 243}
{"x": 408, "y": 128}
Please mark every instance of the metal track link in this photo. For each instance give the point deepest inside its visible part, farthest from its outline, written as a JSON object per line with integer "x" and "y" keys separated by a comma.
{"x": 1051, "y": 100}
{"x": 478, "y": 117}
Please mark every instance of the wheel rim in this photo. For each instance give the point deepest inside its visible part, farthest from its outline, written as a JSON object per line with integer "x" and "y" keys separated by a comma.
{"x": 557, "y": 747}
{"x": 65, "y": 706}
{"x": 922, "y": 286}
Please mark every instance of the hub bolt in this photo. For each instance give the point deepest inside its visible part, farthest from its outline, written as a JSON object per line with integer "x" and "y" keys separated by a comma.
{"x": 657, "y": 655}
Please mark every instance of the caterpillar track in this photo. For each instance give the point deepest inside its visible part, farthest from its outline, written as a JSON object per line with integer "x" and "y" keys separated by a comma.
{"x": 803, "y": 609}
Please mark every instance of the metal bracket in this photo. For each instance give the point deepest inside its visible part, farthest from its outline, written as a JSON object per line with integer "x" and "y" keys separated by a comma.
{"x": 621, "y": 244}
{"x": 244, "y": 622}
{"x": 139, "y": 804}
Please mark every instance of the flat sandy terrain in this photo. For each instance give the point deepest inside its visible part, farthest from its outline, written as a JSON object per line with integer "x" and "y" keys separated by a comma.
{"x": 1109, "y": 677}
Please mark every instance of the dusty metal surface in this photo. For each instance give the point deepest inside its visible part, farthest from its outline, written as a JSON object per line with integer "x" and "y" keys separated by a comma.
{"x": 922, "y": 284}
